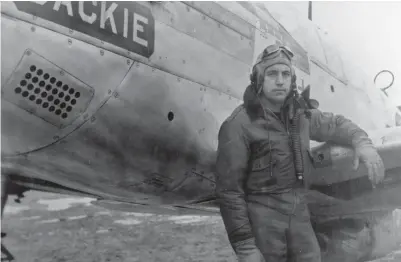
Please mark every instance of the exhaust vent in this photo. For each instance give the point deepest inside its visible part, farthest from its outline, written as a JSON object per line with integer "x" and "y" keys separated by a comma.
{"x": 47, "y": 91}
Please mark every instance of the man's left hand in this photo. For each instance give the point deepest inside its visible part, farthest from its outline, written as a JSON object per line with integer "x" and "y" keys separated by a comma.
{"x": 373, "y": 162}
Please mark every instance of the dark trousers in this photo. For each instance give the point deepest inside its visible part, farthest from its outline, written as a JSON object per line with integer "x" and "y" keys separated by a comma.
{"x": 282, "y": 228}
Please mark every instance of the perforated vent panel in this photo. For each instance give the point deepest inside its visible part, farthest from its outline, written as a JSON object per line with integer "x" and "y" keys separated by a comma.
{"x": 47, "y": 91}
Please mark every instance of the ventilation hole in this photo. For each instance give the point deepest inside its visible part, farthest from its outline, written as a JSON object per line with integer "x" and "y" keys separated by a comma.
{"x": 58, "y": 112}
{"x": 28, "y": 75}
{"x": 56, "y": 102}
{"x": 46, "y": 76}
{"x": 64, "y": 115}
{"x": 38, "y": 101}
{"x": 35, "y": 79}
{"x": 42, "y": 83}
{"x": 71, "y": 91}
{"x": 61, "y": 94}
{"x": 54, "y": 91}
{"x": 332, "y": 88}
{"x": 32, "y": 97}
{"x": 65, "y": 87}
{"x": 52, "y": 108}
{"x": 48, "y": 87}
{"x": 23, "y": 83}
{"x": 25, "y": 93}
{"x": 18, "y": 90}
{"x": 69, "y": 108}
{"x": 53, "y": 80}
{"x": 40, "y": 72}
{"x": 37, "y": 90}
{"x": 45, "y": 105}
{"x": 44, "y": 94}
{"x": 62, "y": 105}
{"x": 77, "y": 94}
{"x": 170, "y": 116}
{"x": 59, "y": 83}
{"x": 67, "y": 98}
{"x": 50, "y": 98}
{"x": 30, "y": 87}
{"x": 73, "y": 102}
{"x": 32, "y": 68}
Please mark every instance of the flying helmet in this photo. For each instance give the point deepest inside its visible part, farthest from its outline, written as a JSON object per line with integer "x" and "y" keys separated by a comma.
{"x": 271, "y": 55}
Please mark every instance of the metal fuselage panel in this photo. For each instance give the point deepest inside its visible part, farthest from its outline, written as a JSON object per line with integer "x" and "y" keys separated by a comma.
{"x": 149, "y": 134}
{"x": 22, "y": 129}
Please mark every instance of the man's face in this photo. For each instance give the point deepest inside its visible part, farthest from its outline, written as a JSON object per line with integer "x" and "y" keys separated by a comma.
{"x": 277, "y": 83}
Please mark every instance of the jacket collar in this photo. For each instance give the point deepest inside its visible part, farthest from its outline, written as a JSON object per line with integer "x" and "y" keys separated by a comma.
{"x": 252, "y": 104}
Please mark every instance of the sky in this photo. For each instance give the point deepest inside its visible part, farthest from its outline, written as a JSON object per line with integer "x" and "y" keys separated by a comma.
{"x": 368, "y": 32}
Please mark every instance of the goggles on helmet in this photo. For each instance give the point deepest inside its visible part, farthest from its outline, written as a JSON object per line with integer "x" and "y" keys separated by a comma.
{"x": 274, "y": 50}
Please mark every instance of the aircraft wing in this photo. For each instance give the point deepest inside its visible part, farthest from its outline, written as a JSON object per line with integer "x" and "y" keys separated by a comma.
{"x": 333, "y": 164}
{"x": 341, "y": 192}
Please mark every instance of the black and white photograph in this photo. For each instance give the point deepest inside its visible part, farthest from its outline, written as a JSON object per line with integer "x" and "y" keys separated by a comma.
{"x": 200, "y": 131}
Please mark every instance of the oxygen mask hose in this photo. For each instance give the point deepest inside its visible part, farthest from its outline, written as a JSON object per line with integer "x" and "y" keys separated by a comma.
{"x": 294, "y": 111}
{"x": 296, "y": 144}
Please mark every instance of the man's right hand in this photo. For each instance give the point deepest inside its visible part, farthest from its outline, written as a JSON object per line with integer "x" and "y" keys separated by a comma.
{"x": 248, "y": 252}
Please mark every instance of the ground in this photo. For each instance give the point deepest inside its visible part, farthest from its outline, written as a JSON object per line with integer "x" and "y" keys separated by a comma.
{"x": 56, "y": 228}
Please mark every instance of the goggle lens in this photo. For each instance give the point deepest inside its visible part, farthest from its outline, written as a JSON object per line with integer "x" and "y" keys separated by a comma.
{"x": 274, "y": 50}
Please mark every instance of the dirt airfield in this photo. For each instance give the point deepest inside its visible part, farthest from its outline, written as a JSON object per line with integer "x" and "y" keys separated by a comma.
{"x": 58, "y": 228}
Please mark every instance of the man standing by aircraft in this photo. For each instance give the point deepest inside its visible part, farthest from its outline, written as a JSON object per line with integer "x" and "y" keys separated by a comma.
{"x": 259, "y": 186}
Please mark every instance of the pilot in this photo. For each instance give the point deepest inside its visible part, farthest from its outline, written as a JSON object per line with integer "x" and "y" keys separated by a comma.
{"x": 261, "y": 194}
